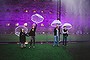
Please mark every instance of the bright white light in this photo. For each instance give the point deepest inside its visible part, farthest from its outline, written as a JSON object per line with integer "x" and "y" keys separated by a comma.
{"x": 26, "y": 42}
{"x": 42, "y": 24}
{"x": 17, "y": 24}
{"x": 25, "y": 24}
{"x": 43, "y": 32}
{"x": 26, "y": 10}
{"x": 8, "y": 24}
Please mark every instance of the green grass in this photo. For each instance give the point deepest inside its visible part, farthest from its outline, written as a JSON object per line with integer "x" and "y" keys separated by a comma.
{"x": 74, "y": 51}
{"x": 41, "y": 52}
{"x": 48, "y": 37}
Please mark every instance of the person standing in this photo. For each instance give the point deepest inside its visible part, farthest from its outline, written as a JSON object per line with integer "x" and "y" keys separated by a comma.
{"x": 65, "y": 35}
{"x": 32, "y": 35}
{"x": 56, "y": 36}
{"x": 22, "y": 38}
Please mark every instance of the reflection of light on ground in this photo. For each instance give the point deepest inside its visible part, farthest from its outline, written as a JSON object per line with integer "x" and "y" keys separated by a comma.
{"x": 26, "y": 42}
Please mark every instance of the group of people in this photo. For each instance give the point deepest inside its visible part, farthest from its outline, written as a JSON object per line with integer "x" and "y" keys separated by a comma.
{"x": 31, "y": 33}
{"x": 57, "y": 35}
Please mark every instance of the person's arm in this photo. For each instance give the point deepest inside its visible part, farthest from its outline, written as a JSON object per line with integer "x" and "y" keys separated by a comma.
{"x": 20, "y": 37}
{"x": 29, "y": 33}
{"x": 35, "y": 27}
{"x": 20, "y": 34}
{"x": 54, "y": 31}
{"x": 26, "y": 34}
{"x": 59, "y": 31}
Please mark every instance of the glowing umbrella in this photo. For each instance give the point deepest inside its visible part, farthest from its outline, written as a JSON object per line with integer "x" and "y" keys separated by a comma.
{"x": 68, "y": 25}
{"x": 55, "y": 23}
{"x": 37, "y": 18}
{"x": 17, "y": 29}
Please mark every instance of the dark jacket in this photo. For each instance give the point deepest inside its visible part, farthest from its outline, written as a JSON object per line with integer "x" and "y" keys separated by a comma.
{"x": 32, "y": 31}
{"x": 65, "y": 34}
{"x": 55, "y": 31}
{"x": 22, "y": 37}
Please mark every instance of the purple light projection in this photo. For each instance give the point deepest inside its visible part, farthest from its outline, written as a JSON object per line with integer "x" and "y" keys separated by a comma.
{"x": 21, "y": 12}
{"x": 77, "y": 13}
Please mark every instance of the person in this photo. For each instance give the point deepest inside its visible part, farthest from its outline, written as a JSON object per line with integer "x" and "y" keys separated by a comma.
{"x": 32, "y": 35}
{"x": 65, "y": 35}
{"x": 22, "y": 38}
{"x": 56, "y": 36}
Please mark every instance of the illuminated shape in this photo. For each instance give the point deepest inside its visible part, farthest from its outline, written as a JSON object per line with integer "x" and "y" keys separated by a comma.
{"x": 41, "y": 42}
{"x": 17, "y": 43}
{"x": 26, "y": 10}
{"x": 8, "y": 24}
{"x": 25, "y": 24}
{"x": 42, "y": 11}
{"x": 55, "y": 23}
{"x": 26, "y": 42}
{"x": 17, "y": 29}
{"x": 36, "y": 18}
{"x": 17, "y": 24}
{"x": 34, "y": 11}
{"x": 43, "y": 32}
{"x": 42, "y": 24}
{"x": 68, "y": 25}
{"x": 34, "y": 24}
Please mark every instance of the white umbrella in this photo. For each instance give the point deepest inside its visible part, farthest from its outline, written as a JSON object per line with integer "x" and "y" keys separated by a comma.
{"x": 55, "y": 23}
{"x": 37, "y": 18}
{"x": 17, "y": 29}
{"x": 68, "y": 25}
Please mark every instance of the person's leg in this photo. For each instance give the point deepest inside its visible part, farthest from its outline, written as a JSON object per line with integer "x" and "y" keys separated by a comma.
{"x": 57, "y": 40}
{"x": 63, "y": 39}
{"x": 30, "y": 42}
{"x": 21, "y": 45}
{"x": 54, "y": 41}
{"x": 33, "y": 41}
{"x": 24, "y": 45}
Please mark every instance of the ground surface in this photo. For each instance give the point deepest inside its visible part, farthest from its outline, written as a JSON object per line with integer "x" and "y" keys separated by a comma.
{"x": 41, "y": 52}
{"x": 74, "y": 51}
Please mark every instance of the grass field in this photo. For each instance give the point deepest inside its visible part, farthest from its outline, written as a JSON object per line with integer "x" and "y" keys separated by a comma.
{"x": 74, "y": 51}
{"x": 41, "y": 52}
{"x": 48, "y": 37}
